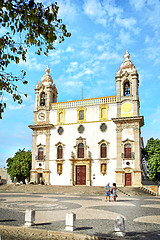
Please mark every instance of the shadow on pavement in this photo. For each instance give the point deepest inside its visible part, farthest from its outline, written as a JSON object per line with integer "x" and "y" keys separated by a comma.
{"x": 42, "y": 224}
{"x": 11, "y": 220}
{"x": 153, "y": 235}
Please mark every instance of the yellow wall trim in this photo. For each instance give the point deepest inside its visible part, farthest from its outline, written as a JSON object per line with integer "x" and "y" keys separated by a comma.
{"x": 84, "y": 102}
{"x": 127, "y": 114}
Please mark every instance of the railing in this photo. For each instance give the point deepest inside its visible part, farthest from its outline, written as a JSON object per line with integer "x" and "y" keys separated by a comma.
{"x": 36, "y": 158}
{"x": 132, "y": 156}
{"x": 84, "y": 102}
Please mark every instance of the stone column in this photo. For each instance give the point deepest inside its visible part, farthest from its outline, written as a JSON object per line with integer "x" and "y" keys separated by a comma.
{"x": 119, "y": 171}
{"x": 47, "y": 149}
{"x": 137, "y": 173}
{"x": 46, "y": 171}
{"x": 72, "y": 172}
{"x": 34, "y": 143}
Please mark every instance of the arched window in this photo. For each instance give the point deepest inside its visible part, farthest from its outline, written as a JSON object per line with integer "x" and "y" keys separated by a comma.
{"x": 126, "y": 88}
{"x": 59, "y": 152}
{"x": 127, "y": 150}
{"x": 40, "y": 154}
{"x": 42, "y": 99}
{"x": 80, "y": 150}
{"x": 103, "y": 150}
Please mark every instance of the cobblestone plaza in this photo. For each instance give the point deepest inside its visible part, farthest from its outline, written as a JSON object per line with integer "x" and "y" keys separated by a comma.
{"x": 94, "y": 216}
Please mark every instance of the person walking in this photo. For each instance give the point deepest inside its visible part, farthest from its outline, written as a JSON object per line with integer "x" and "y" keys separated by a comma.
{"x": 114, "y": 192}
{"x": 108, "y": 193}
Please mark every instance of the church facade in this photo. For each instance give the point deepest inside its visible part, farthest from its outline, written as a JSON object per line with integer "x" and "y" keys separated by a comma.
{"x": 89, "y": 141}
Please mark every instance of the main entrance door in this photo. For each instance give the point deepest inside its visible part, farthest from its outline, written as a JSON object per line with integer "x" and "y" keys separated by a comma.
{"x": 128, "y": 179}
{"x": 81, "y": 175}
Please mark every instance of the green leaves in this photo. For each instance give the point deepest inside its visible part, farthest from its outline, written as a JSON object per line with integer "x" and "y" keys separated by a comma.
{"x": 37, "y": 26}
{"x": 20, "y": 165}
{"x": 153, "y": 158}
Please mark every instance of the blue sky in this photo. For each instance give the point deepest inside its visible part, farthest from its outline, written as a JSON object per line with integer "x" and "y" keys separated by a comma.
{"x": 101, "y": 31}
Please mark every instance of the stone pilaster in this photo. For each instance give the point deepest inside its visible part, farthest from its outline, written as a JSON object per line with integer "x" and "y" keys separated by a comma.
{"x": 46, "y": 176}
{"x": 137, "y": 162}
{"x": 137, "y": 173}
{"x": 34, "y": 141}
{"x": 119, "y": 171}
{"x": 47, "y": 149}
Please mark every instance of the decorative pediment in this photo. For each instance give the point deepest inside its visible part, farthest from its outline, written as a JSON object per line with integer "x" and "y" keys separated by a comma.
{"x": 103, "y": 141}
{"x": 40, "y": 145}
{"x": 127, "y": 140}
{"x": 59, "y": 143}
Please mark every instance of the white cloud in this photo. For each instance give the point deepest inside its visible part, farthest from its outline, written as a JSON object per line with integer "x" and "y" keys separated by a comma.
{"x": 69, "y": 49}
{"x": 124, "y": 38}
{"x": 67, "y": 10}
{"x": 153, "y": 54}
{"x": 127, "y": 23}
{"x": 72, "y": 67}
{"x": 138, "y": 5}
{"x": 73, "y": 84}
{"x": 31, "y": 63}
{"x": 150, "y": 10}
{"x": 16, "y": 107}
{"x": 103, "y": 37}
{"x": 95, "y": 10}
{"x": 112, "y": 57}
{"x": 111, "y": 8}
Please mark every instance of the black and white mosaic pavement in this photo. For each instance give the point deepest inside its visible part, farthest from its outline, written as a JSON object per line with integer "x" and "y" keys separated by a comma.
{"x": 93, "y": 215}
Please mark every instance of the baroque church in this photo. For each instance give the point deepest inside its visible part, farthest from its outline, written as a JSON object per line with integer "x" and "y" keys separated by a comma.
{"x": 89, "y": 141}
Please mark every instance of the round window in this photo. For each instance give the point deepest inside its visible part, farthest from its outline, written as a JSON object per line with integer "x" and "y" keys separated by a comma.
{"x": 103, "y": 127}
{"x": 127, "y": 163}
{"x": 60, "y": 130}
{"x": 81, "y": 129}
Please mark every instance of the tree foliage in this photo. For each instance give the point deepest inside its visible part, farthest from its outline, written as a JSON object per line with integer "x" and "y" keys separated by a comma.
{"x": 34, "y": 25}
{"x": 152, "y": 150}
{"x": 20, "y": 165}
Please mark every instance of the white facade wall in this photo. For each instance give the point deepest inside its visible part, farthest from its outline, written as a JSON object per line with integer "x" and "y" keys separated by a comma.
{"x": 93, "y": 136}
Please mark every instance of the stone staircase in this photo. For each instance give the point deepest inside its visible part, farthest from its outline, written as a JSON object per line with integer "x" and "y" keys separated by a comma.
{"x": 153, "y": 190}
{"x": 135, "y": 191}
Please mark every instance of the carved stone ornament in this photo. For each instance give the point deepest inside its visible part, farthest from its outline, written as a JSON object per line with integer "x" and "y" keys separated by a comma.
{"x": 127, "y": 64}
{"x": 46, "y": 77}
{"x": 136, "y": 127}
{"x": 118, "y": 128}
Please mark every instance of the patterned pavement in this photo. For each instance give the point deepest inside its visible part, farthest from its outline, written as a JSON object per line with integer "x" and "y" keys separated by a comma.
{"x": 93, "y": 215}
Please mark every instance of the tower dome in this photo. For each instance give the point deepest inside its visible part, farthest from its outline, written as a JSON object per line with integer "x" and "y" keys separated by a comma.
{"x": 127, "y": 65}
{"x": 47, "y": 79}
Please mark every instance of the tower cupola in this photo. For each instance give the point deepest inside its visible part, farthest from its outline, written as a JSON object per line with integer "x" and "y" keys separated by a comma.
{"x": 47, "y": 79}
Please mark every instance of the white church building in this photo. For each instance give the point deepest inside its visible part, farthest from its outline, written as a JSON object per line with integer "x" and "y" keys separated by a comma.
{"x": 89, "y": 141}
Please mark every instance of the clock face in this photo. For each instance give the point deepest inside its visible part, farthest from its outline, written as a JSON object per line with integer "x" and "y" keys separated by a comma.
{"x": 41, "y": 116}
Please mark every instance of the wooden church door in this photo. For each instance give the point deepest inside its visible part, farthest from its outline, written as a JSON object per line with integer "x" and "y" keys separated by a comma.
{"x": 81, "y": 175}
{"x": 128, "y": 179}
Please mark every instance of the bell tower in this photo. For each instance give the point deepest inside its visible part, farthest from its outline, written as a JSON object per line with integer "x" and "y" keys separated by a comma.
{"x": 46, "y": 93}
{"x": 128, "y": 125}
{"x": 127, "y": 84}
